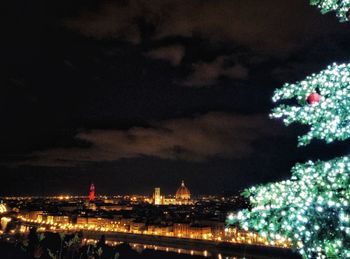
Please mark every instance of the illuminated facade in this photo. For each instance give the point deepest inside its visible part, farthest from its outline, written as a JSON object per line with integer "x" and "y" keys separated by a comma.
{"x": 160, "y": 230}
{"x": 182, "y": 197}
{"x": 33, "y": 214}
{"x": 57, "y": 219}
{"x": 94, "y": 221}
{"x": 3, "y": 222}
{"x": 102, "y": 221}
{"x": 92, "y": 193}
{"x": 183, "y": 193}
{"x": 188, "y": 231}
{"x": 3, "y": 208}
{"x": 157, "y": 198}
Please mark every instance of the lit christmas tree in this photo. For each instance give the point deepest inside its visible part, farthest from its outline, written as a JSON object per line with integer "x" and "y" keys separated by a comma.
{"x": 341, "y": 7}
{"x": 311, "y": 209}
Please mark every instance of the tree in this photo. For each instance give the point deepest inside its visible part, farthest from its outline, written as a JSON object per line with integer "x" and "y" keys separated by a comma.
{"x": 341, "y": 7}
{"x": 102, "y": 242}
{"x": 73, "y": 245}
{"x": 33, "y": 241}
{"x": 311, "y": 209}
{"x": 62, "y": 237}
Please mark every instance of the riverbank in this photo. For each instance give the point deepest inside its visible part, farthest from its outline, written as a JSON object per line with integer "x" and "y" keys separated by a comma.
{"x": 212, "y": 247}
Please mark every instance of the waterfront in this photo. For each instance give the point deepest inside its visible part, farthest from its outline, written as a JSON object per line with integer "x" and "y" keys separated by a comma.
{"x": 181, "y": 217}
{"x": 176, "y": 227}
{"x": 156, "y": 251}
{"x": 178, "y": 252}
{"x": 189, "y": 246}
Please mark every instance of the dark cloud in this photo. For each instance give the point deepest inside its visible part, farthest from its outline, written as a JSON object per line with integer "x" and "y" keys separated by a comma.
{"x": 110, "y": 21}
{"x": 274, "y": 26}
{"x": 261, "y": 32}
{"x": 109, "y": 83}
{"x": 173, "y": 54}
{"x": 195, "y": 139}
{"x": 206, "y": 74}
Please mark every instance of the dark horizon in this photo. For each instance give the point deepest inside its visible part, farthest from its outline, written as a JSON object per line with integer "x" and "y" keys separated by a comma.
{"x": 137, "y": 94}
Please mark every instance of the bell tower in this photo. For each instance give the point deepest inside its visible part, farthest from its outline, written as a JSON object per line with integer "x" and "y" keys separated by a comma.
{"x": 92, "y": 193}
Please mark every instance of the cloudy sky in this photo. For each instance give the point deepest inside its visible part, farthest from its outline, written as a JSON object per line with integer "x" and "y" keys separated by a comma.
{"x": 133, "y": 94}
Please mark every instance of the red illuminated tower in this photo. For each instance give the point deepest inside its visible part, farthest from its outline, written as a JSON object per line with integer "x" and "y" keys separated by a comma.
{"x": 92, "y": 192}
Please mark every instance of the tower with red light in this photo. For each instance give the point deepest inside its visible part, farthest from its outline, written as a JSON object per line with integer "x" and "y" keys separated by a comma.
{"x": 92, "y": 193}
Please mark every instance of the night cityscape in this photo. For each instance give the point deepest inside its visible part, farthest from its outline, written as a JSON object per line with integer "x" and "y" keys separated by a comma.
{"x": 177, "y": 129}
{"x": 180, "y": 222}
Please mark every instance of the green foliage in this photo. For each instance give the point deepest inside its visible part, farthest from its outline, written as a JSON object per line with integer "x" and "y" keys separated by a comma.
{"x": 339, "y": 6}
{"x": 51, "y": 254}
{"x": 246, "y": 193}
{"x": 311, "y": 209}
{"x": 99, "y": 252}
{"x": 330, "y": 118}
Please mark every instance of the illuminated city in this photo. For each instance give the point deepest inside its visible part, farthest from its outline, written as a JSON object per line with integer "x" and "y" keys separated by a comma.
{"x": 137, "y": 217}
{"x": 157, "y": 129}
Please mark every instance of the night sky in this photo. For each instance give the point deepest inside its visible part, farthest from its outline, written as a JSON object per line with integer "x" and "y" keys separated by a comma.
{"x": 134, "y": 94}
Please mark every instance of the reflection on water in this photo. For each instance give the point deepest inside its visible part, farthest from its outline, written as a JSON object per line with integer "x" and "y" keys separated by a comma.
{"x": 140, "y": 248}
{"x": 164, "y": 252}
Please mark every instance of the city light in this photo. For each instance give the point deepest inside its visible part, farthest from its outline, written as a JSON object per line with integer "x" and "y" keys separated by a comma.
{"x": 231, "y": 235}
{"x": 2, "y": 208}
{"x": 102, "y": 215}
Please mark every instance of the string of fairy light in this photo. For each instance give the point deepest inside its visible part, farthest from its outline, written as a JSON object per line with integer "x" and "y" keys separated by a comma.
{"x": 311, "y": 209}
{"x": 330, "y": 117}
{"x": 340, "y": 7}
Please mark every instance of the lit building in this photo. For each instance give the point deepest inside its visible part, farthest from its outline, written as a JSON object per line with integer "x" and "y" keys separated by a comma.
{"x": 157, "y": 198}
{"x": 3, "y": 208}
{"x": 137, "y": 227}
{"x": 182, "y": 197}
{"x": 90, "y": 204}
{"x": 92, "y": 193}
{"x": 181, "y": 229}
{"x": 94, "y": 221}
{"x": 113, "y": 207}
{"x": 58, "y": 219}
{"x": 3, "y": 222}
{"x": 32, "y": 214}
{"x": 183, "y": 193}
{"x": 192, "y": 231}
{"x": 160, "y": 230}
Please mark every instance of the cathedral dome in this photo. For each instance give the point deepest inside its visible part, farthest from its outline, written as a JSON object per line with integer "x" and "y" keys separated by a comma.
{"x": 183, "y": 193}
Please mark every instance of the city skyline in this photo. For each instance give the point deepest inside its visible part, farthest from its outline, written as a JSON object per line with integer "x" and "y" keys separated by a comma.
{"x": 92, "y": 193}
{"x": 196, "y": 227}
{"x": 130, "y": 95}
{"x": 175, "y": 129}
